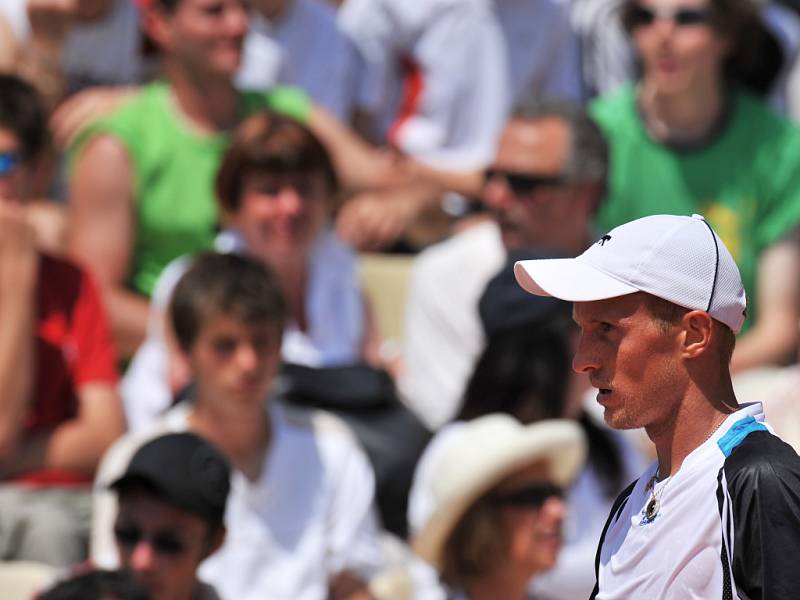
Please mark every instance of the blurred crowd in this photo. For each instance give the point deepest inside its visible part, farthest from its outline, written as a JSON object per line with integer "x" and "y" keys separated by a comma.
{"x": 200, "y": 397}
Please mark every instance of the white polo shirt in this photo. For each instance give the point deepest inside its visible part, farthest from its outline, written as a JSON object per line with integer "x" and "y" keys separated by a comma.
{"x": 728, "y": 524}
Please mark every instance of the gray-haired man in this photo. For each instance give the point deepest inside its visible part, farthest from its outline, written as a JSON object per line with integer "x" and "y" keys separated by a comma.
{"x": 541, "y": 193}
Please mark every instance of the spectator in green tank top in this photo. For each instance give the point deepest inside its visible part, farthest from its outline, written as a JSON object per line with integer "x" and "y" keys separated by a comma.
{"x": 690, "y": 137}
{"x": 141, "y": 179}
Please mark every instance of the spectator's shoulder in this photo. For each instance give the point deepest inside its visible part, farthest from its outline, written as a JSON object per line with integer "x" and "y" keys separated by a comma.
{"x": 128, "y": 122}
{"x": 287, "y": 100}
{"x": 615, "y": 109}
{"x": 762, "y": 120}
{"x": 460, "y": 251}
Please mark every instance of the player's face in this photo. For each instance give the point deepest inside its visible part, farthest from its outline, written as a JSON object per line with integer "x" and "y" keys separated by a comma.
{"x": 280, "y": 216}
{"x": 234, "y": 363}
{"x": 161, "y": 544}
{"x": 523, "y": 189}
{"x": 630, "y": 359}
{"x": 679, "y": 49}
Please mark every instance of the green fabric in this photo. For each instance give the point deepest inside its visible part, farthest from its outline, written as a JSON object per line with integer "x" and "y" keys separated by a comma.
{"x": 175, "y": 166}
{"x": 746, "y": 182}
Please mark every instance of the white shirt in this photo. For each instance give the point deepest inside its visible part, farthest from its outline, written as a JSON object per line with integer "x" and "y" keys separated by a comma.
{"x": 443, "y": 334}
{"x": 439, "y": 77}
{"x": 334, "y": 306}
{"x": 308, "y": 515}
{"x": 676, "y": 555}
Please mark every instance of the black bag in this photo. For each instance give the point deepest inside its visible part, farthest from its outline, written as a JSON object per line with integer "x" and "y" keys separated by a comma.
{"x": 366, "y": 399}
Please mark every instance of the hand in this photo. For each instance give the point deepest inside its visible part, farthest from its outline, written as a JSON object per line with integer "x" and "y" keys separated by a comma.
{"x": 347, "y": 586}
{"x": 19, "y": 259}
{"x": 79, "y": 110}
{"x": 374, "y": 220}
{"x": 50, "y": 21}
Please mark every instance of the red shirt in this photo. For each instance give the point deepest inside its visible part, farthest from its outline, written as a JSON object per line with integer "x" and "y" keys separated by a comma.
{"x": 73, "y": 348}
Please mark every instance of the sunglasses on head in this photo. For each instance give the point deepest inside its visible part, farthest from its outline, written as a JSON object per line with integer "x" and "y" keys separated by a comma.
{"x": 520, "y": 183}
{"x": 8, "y": 162}
{"x": 642, "y": 16}
{"x": 164, "y": 543}
{"x": 533, "y": 496}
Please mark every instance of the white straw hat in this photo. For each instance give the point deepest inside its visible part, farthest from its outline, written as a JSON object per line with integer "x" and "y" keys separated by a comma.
{"x": 677, "y": 258}
{"x": 479, "y": 455}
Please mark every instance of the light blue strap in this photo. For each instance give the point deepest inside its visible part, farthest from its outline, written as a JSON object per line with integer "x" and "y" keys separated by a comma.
{"x": 736, "y": 434}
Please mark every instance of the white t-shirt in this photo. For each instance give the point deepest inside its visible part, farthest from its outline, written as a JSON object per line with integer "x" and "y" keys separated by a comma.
{"x": 308, "y": 515}
{"x": 727, "y": 523}
{"x": 443, "y": 334}
{"x": 334, "y": 307}
{"x": 303, "y": 47}
{"x": 439, "y": 77}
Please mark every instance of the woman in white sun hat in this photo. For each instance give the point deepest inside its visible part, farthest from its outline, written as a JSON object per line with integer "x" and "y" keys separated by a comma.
{"x": 497, "y": 506}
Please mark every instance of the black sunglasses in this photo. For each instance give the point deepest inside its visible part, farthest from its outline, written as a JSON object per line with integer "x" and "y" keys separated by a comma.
{"x": 642, "y": 17}
{"x": 163, "y": 542}
{"x": 520, "y": 183}
{"x": 533, "y": 496}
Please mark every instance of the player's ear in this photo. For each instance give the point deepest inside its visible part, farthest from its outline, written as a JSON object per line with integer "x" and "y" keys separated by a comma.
{"x": 697, "y": 326}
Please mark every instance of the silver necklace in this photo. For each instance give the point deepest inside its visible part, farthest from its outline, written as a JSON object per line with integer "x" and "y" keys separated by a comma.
{"x": 653, "y": 505}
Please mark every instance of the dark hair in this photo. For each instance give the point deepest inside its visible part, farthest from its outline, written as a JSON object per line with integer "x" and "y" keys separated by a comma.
{"x": 524, "y": 372}
{"x": 97, "y": 585}
{"x": 23, "y": 113}
{"x": 268, "y": 143}
{"x": 477, "y": 545}
{"x": 589, "y": 152}
{"x": 228, "y": 284}
{"x": 667, "y": 314}
{"x": 756, "y": 58}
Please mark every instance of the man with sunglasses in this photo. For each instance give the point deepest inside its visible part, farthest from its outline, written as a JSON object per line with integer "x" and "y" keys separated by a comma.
{"x": 59, "y": 409}
{"x": 543, "y": 188}
{"x": 172, "y": 499}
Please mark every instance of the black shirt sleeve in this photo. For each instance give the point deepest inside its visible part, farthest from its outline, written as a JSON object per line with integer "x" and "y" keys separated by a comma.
{"x": 763, "y": 479}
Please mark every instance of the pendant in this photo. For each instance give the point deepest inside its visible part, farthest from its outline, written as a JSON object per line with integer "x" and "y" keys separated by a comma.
{"x": 651, "y": 510}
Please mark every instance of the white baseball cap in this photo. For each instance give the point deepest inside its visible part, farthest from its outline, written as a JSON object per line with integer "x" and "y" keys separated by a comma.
{"x": 677, "y": 258}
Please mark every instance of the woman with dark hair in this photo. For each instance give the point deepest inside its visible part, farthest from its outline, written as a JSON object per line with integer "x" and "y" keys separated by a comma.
{"x": 692, "y": 136}
{"x": 275, "y": 190}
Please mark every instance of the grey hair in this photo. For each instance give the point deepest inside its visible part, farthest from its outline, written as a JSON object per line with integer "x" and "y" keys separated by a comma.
{"x": 589, "y": 152}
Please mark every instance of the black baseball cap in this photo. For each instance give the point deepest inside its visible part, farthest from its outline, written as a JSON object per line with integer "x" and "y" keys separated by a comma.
{"x": 504, "y": 305}
{"x": 184, "y": 470}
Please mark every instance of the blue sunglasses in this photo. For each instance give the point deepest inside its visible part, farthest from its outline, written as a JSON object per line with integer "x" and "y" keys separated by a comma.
{"x": 8, "y": 162}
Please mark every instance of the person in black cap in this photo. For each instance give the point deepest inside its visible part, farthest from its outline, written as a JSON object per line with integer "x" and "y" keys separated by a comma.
{"x": 172, "y": 500}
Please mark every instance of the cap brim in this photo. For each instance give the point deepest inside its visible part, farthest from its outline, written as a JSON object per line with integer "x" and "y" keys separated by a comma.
{"x": 569, "y": 279}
